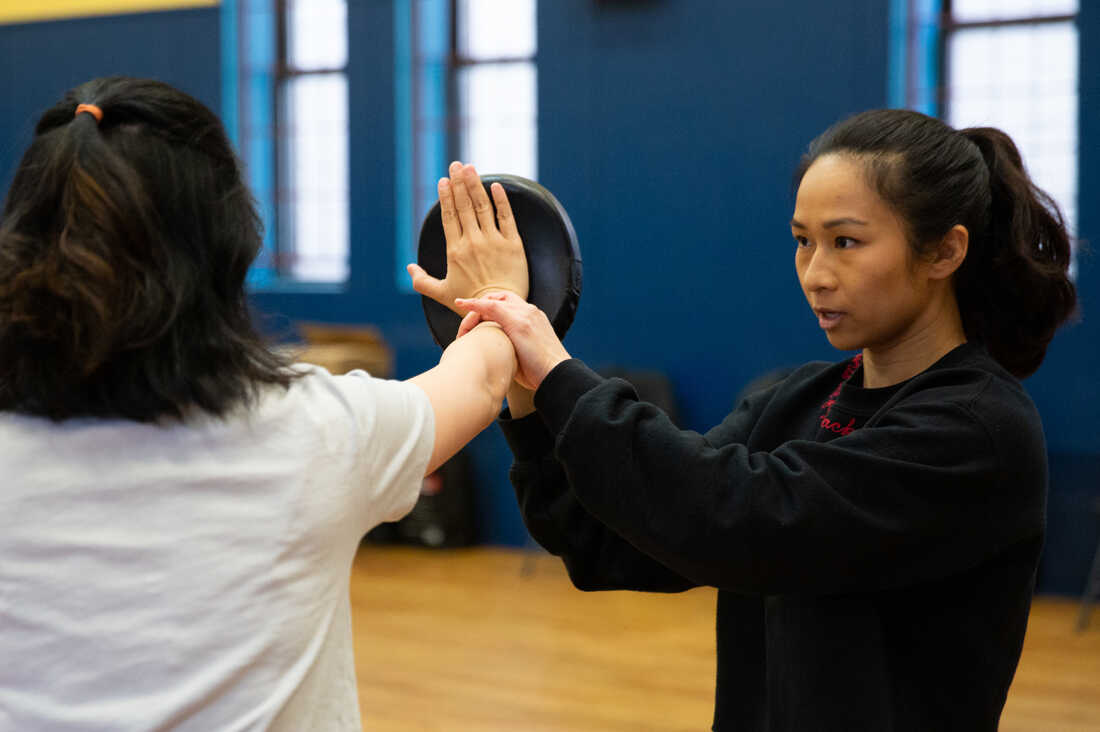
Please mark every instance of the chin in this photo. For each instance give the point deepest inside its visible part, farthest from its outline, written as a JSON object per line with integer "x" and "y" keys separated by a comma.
{"x": 842, "y": 343}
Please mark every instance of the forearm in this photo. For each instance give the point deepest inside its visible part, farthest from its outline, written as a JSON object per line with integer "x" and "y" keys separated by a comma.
{"x": 596, "y": 558}
{"x": 485, "y": 360}
{"x": 467, "y": 388}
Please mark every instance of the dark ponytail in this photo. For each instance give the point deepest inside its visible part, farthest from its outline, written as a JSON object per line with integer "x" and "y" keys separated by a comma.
{"x": 1013, "y": 289}
{"x": 124, "y": 247}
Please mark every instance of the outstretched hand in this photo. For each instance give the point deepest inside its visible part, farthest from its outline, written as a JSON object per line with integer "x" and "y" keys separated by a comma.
{"x": 484, "y": 253}
{"x": 538, "y": 349}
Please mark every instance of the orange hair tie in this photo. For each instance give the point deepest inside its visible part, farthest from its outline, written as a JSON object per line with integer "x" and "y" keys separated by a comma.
{"x": 90, "y": 109}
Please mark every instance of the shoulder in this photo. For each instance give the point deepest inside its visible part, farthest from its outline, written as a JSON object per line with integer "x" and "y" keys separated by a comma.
{"x": 317, "y": 382}
{"x": 971, "y": 379}
{"x": 968, "y": 389}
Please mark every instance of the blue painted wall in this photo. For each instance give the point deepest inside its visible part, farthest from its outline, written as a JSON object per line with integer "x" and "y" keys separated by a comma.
{"x": 1067, "y": 387}
{"x": 669, "y": 130}
{"x": 40, "y": 61}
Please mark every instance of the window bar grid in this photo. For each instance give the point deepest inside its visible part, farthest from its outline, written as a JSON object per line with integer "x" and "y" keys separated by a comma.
{"x": 1039, "y": 154}
{"x": 320, "y": 260}
{"x": 462, "y": 68}
{"x": 283, "y": 247}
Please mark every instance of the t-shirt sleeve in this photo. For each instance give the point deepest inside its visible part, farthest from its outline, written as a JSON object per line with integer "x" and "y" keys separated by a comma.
{"x": 393, "y": 439}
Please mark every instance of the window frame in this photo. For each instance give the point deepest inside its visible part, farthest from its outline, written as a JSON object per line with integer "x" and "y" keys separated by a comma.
{"x": 920, "y": 72}
{"x": 460, "y": 63}
{"x": 949, "y": 25}
{"x": 421, "y": 145}
{"x": 257, "y": 75}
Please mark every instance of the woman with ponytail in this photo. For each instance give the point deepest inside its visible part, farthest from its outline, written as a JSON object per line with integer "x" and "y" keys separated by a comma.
{"x": 873, "y": 526}
{"x": 180, "y": 506}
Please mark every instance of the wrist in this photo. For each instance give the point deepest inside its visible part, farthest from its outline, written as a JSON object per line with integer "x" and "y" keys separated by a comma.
{"x": 521, "y": 400}
{"x": 491, "y": 289}
{"x": 550, "y": 364}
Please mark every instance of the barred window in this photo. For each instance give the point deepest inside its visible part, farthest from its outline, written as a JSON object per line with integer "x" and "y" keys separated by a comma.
{"x": 1013, "y": 64}
{"x": 466, "y": 90}
{"x": 292, "y": 117}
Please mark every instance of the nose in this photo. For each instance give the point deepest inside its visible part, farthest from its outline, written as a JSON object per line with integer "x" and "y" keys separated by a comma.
{"x": 815, "y": 271}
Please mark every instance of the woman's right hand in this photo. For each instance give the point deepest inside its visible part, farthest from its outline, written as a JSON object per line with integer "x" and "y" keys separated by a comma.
{"x": 538, "y": 349}
{"x": 484, "y": 253}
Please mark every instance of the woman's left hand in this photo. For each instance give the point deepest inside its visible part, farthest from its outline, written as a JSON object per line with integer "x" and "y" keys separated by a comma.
{"x": 484, "y": 252}
{"x": 538, "y": 349}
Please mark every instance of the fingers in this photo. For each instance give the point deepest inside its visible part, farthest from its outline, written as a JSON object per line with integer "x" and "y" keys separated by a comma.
{"x": 505, "y": 220}
{"x": 463, "y": 204}
{"x": 506, "y": 296}
{"x": 506, "y": 308}
{"x": 483, "y": 209}
{"x": 468, "y": 323}
{"x": 492, "y": 307}
{"x": 427, "y": 285}
{"x": 538, "y": 348}
{"x": 452, "y": 232}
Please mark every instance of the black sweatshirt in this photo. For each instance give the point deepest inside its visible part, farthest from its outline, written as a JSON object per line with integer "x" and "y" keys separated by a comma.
{"x": 874, "y": 549}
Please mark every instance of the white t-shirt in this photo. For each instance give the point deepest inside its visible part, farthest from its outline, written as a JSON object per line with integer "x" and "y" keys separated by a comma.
{"x": 195, "y": 576}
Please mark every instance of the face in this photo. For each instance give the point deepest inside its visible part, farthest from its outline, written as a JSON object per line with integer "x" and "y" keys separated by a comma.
{"x": 853, "y": 260}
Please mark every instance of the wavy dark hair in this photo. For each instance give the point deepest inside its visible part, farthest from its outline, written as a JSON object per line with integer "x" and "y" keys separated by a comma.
{"x": 124, "y": 246}
{"x": 1013, "y": 288}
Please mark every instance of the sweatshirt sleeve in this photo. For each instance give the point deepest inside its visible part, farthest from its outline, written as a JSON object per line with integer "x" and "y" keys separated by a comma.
{"x": 923, "y": 493}
{"x": 596, "y": 557}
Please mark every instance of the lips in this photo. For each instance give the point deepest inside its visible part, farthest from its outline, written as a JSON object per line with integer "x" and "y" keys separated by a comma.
{"x": 828, "y": 318}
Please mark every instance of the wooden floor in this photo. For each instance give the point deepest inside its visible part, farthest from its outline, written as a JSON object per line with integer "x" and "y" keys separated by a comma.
{"x": 487, "y": 640}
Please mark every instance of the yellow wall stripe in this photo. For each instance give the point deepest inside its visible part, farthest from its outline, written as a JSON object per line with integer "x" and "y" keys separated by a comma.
{"x": 25, "y": 11}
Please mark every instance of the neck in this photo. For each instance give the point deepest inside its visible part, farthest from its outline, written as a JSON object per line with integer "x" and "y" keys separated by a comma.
{"x": 926, "y": 342}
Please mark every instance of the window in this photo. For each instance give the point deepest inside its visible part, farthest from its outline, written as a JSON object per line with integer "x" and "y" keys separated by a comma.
{"x": 291, "y": 121}
{"x": 494, "y": 52}
{"x": 466, "y": 89}
{"x": 1010, "y": 64}
{"x": 312, "y": 115}
{"x": 1013, "y": 64}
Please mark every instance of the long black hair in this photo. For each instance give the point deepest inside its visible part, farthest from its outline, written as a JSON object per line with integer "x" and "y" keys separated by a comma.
{"x": 124, "y": 246}
{"x": 1013, "y": 288}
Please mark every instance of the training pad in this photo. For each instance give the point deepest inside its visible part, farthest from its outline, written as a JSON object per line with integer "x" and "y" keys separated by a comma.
{"x": 553, "y": 256}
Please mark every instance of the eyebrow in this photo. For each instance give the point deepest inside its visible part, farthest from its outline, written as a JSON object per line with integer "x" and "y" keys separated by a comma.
{"x": 831, "y": 224}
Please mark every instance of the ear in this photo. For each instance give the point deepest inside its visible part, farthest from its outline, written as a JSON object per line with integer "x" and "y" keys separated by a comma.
{"x": 950, "y": 253}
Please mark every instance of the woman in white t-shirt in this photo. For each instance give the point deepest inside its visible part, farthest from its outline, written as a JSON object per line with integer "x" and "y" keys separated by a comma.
{"x": 180, "y": 507}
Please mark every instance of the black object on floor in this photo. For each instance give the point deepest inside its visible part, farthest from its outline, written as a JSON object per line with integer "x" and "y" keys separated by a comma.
{"x": 1092, "y": 584}
{"x": 444, "y": 517}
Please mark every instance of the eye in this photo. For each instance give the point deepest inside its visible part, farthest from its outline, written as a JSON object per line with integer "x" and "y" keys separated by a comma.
{"x": 801, "y": 241}
{"x": 845, "y": 242}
